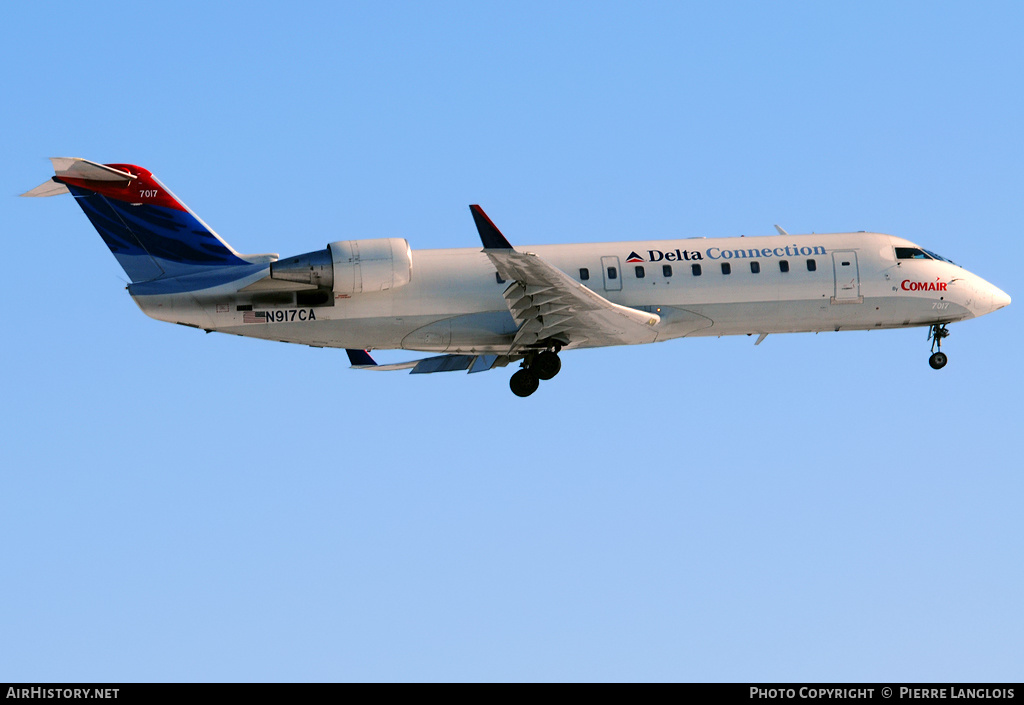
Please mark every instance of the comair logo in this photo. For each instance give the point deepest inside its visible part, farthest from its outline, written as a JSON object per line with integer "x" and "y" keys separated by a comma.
{"x": 908, "y": 285}
{"x": 658, "y": 256}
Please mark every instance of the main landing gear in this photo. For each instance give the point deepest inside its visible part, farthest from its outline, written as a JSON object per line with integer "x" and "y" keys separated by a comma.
{"x": 536, "y": 367}
{"x": 936, "y": 333}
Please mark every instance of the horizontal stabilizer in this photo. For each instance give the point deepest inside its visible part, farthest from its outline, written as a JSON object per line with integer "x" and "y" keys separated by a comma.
{"x": 77, "y": 168}
{"x": 48, "y": 188}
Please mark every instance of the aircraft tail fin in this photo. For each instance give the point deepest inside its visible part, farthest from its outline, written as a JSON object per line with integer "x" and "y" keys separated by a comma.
{"x": 151, "y": 233}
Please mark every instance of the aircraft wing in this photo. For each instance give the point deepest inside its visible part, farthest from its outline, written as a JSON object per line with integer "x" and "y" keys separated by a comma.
{"x": 361, "y": 360}
{"x": 549, "y": 305}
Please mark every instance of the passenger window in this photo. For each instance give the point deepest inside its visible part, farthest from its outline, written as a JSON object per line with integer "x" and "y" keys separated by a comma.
{"x": 640, "y": 272}
{"x": 666, "y": 270}
{"x": 695, "y": 268}
{"x": 783, "y": 266}
{"x": 498, "y": 278}
{"x": 755, "y": 267}
{"x": 613, "y": 273}
{"x": 726, "y": 268}
{"x": 813, "y": 265}
{"x": 584, "y": 274}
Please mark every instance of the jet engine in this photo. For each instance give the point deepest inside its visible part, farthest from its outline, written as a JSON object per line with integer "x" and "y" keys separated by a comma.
{"x": 350, "y": 266}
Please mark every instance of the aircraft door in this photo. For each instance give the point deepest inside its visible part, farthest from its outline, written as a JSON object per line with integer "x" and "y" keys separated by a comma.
{"x": 847, "y": 278}
{"x": 612, "y": 273}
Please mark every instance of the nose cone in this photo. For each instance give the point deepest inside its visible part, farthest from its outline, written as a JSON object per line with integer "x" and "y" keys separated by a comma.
{"x": 982, "y": 297}
{"x": 999, "y": 299}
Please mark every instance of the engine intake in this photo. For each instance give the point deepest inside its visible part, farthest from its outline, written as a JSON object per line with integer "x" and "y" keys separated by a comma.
{"x": 350, "y": 266}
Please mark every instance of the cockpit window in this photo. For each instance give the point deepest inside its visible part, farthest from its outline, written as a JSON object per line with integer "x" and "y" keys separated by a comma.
{"x": 911, "y": 253}
{"x": 940, "y": 257}
{"x": 919, "y": 253}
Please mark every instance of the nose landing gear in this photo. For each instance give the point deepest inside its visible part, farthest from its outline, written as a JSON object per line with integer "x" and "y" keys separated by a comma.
{"x": 936, "y": 333}
{"x": 536, "y": 367}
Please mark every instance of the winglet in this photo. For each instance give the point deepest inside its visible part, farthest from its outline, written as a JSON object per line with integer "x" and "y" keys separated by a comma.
{"x": 360, "y": 358}
{"x": 781, "y": 231}
{"x": 489, "y": 233}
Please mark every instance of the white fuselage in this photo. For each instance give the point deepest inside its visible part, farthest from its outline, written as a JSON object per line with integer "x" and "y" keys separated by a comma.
{"x": 454, "y": 302}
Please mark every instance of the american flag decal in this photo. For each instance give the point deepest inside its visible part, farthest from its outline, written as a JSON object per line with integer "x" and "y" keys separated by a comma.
{"x": 254, "y": 317}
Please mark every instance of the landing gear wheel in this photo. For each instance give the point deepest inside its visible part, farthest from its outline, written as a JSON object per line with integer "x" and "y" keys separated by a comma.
{"x": 546, "y": 365}
{"x": 936, "y": 333}
{"x": 524, "y": 383}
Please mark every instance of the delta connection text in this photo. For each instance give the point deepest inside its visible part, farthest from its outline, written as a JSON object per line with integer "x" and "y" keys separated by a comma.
{"x": 680, "y": 255}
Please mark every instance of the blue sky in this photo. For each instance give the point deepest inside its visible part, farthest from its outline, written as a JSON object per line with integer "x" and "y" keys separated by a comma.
{"x": 181, "y": 506}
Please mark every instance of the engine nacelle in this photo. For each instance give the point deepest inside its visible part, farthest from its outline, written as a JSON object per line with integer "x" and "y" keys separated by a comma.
{"x": 350, "y": 266}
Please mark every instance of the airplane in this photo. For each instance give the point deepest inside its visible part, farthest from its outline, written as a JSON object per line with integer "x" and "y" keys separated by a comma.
{"x": 489, "y": 307}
